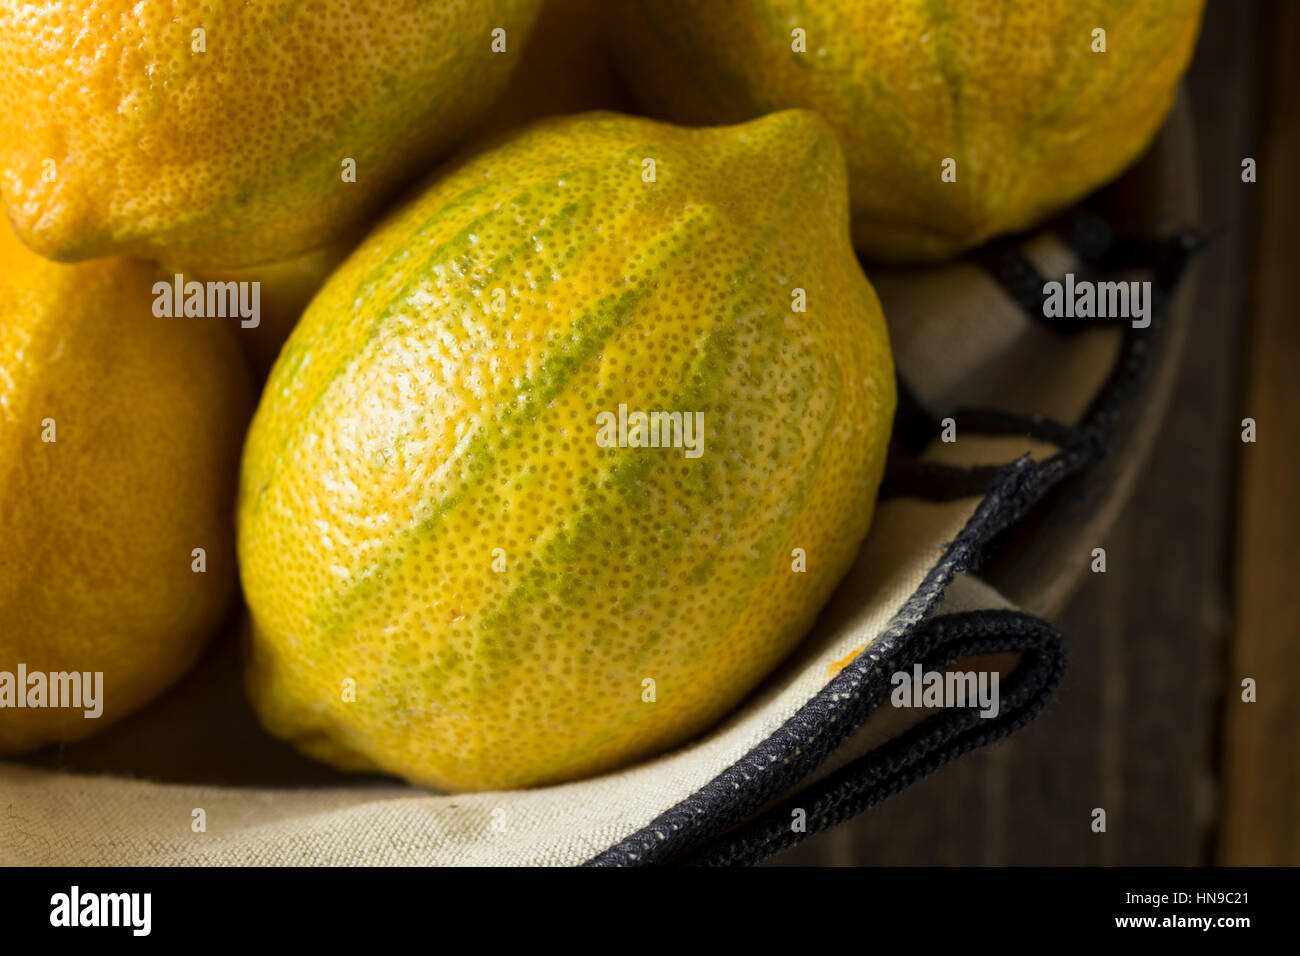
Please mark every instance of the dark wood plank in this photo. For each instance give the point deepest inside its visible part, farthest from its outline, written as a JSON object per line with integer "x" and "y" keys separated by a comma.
{"x": 1261, "y": 759}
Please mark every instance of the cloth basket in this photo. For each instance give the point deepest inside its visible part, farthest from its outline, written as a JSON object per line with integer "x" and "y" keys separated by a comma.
{"x": 1036, "y": 405}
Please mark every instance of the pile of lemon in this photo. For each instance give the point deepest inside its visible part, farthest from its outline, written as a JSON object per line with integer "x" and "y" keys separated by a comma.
{"x": 457, "y": 570}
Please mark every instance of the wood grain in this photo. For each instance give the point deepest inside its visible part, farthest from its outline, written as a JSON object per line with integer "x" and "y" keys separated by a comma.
{"x": 1261, "y": 756}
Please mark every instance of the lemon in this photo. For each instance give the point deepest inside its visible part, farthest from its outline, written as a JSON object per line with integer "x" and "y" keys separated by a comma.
{"x": 228, "y": 133}
{"x": 961, "y": 120}
{"x": 567, "y": 455}
{"x": 119, "y": 445}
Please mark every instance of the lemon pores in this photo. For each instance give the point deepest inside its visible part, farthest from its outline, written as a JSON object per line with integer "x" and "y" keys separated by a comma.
{"x": 119, "y": 447}
{"x": 960, "y": 119}
{"x": 228, "y": 133}
{"x": 461, "y": 567}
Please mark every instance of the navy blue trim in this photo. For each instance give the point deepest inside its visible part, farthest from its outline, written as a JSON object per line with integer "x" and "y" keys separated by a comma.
{"x": 940, "y": 643}
{"x": 914, "y": 426}
{"x": 1086, "y": 234}
{"x": 933, "y": 481}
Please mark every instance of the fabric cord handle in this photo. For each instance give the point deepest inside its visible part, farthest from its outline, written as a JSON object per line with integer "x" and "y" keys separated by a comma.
{"x": 892, "y": 767}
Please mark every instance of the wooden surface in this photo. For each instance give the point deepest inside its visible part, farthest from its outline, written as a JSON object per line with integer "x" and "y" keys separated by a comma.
{"x": 1137, "y": 726}
{"x": 1260, "y": 822}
